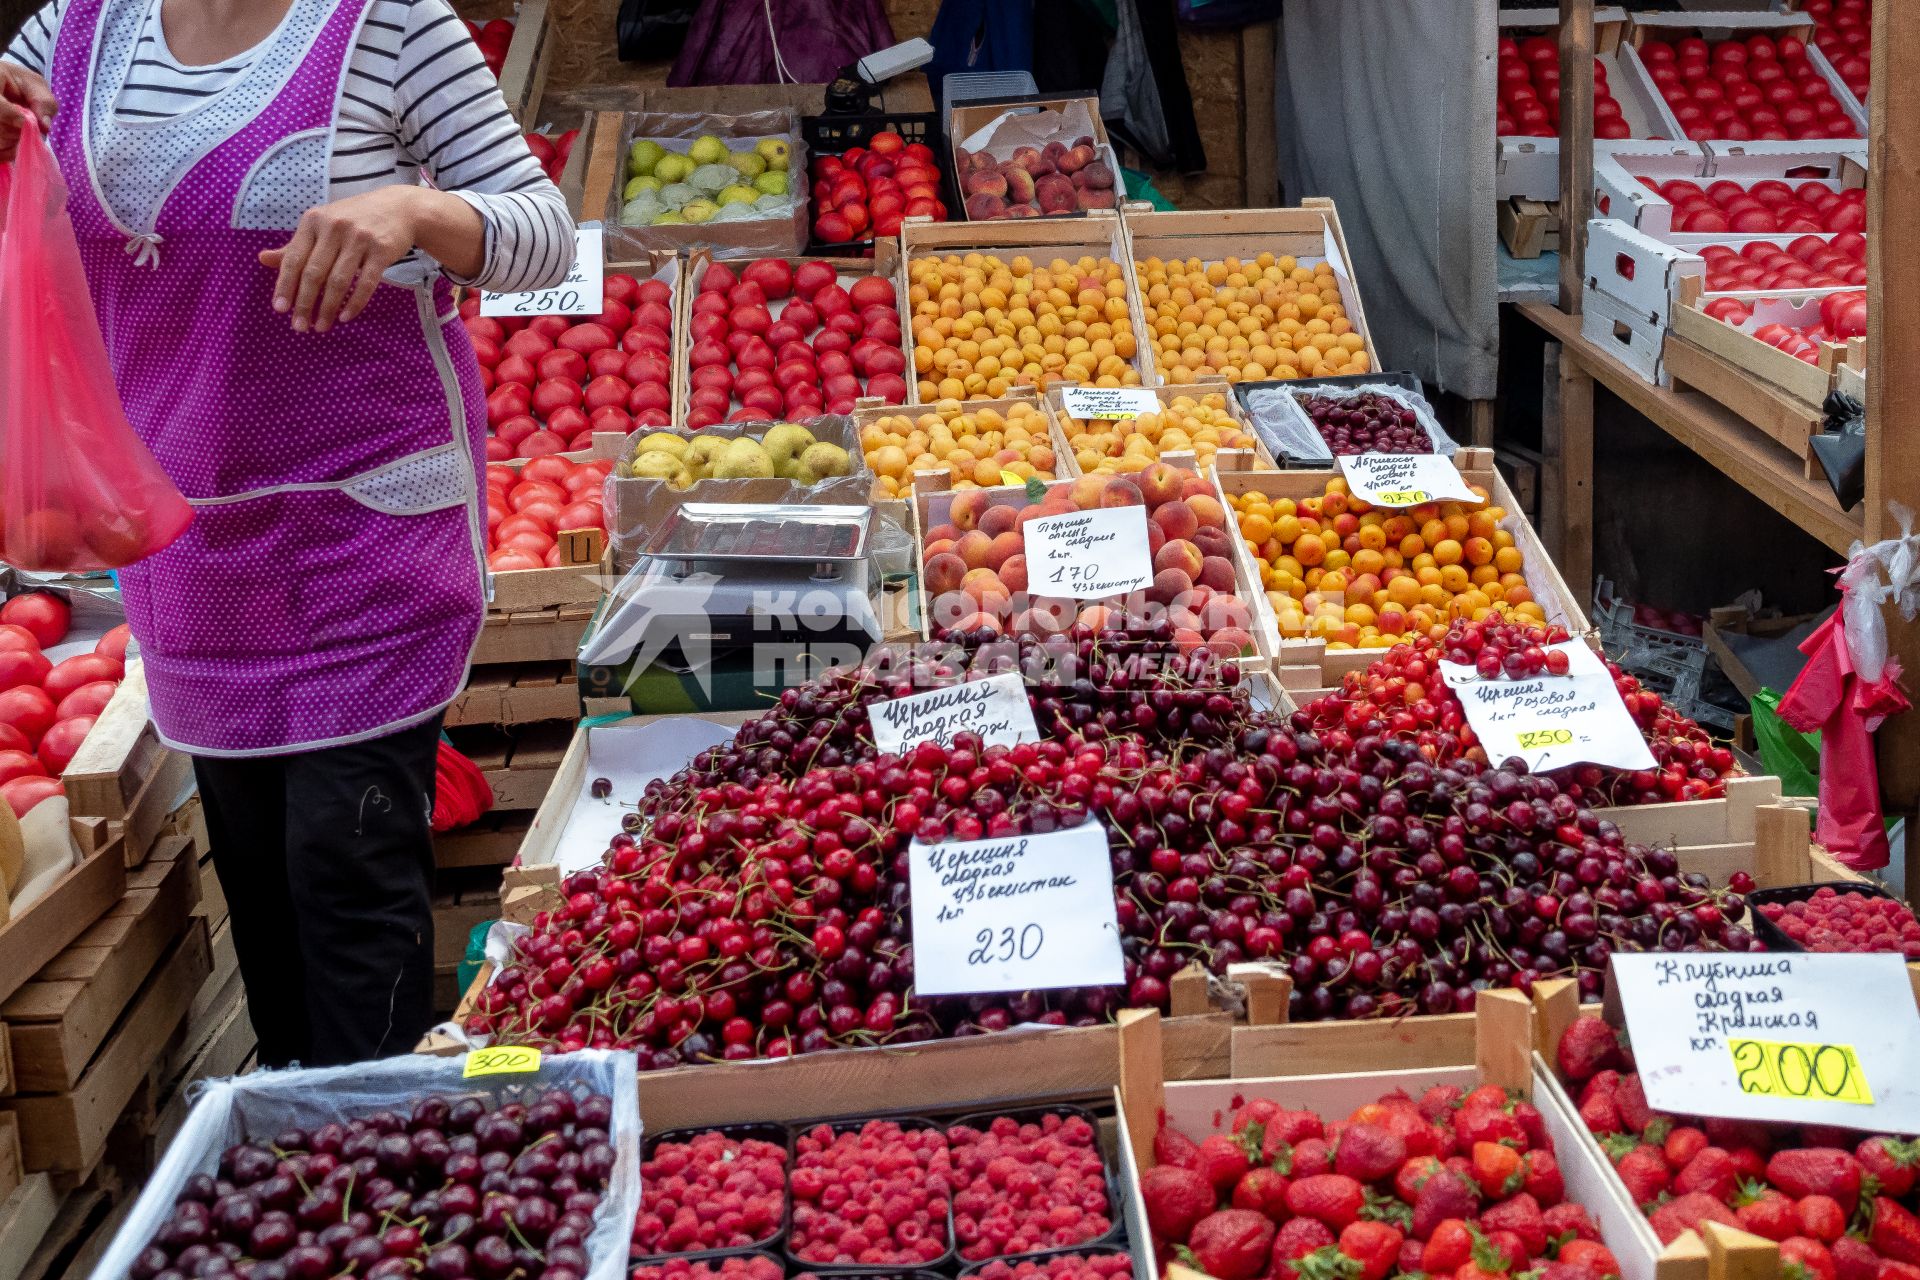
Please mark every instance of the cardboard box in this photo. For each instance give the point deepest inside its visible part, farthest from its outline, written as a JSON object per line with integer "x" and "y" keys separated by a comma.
{"x": 1717, "y": 26}
{"x": 1619, "y": 192}
{"x": 996, "y": 130}
{"x": 1629, "y": 336}
{"x": 1636, "y": 270}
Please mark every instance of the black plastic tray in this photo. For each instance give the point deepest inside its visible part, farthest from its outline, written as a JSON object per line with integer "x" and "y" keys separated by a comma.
{"x": 834, "y": 135}
{"x": 772, "y": 1245}
{"x": 1116, "y": 1218}
{"x": 795, "y": 1263}
{"x": 974, "y": 1268}
{"x": 1770, "y": 933}
{"x": 662, "y": 1260}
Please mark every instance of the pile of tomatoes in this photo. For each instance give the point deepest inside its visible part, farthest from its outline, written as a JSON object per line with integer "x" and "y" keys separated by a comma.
{"x": 1808, "y": 262}
{"x": 1764, "y": 86}
{"x": 47, "y": 708}
{"x": 1842, "y": 316}
{"x": 1529, "y": 106}
{"x": 529, "y": 507}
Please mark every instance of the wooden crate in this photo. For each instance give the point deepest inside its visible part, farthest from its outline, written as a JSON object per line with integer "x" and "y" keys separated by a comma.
{"x": 519, "y": 763}
{"x": 523, "y": 77}
{"x": 1099, "y": 234}
{"x": 490, "y": 842}
{"x": 1255, "y": 459}
{"x": 124, "y": 775}
{"x": 517, "y": 694}
{"x": 577, "y": 582}
{"x": 1310, "y": 231}
{"x": 1529, "y": 228}
{"x": 869, "y": 410}
{"x": 1307, "y": 667}
{"x": 39, "y": 933}
{"x": 550, "y": 634}
{"x": 26, "y": 1217}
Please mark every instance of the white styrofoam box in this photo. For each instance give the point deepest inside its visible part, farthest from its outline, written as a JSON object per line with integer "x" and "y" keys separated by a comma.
{"x": 1626, "y": 335}
{"x": 1619, "y": 193}
{"x": 1719, "y": 25}
{"x": 1633, "y": 71}
{"x": 1529, "y": 168}
{"x": 1637, "y": 271}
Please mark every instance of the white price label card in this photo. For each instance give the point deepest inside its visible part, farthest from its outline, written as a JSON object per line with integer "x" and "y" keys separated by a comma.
{"x": 1089, "y": 555}
{"x": 1799, "y": 1037}
{"x": 1112, "y": 403}
{"x": 1019, "y": 913}
{"x": 1552, "y": 721}
{"x": 580, "y": 294}
{"x": 1404, "y": 479}
{"x": 995, "y": 708}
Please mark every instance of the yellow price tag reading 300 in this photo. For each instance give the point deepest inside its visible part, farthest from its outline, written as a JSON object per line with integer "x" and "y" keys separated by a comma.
{"x": 1533, "y": 739}
{"x": 503, "y": 1060}
{"x": 1776, "y": 1069}
{"x": 1404, "y": 497}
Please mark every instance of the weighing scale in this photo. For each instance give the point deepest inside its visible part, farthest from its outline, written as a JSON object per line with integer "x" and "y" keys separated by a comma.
{"x": 731, "y": 602}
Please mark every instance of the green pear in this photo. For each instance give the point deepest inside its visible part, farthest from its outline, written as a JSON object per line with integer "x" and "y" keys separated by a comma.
{"x": 672, "y": 167}
{"x": 662, "y": 442}
{"x": 737, "y": 194}
{"x": 643, "y": 155}
{"x": 771, "y": 183}
{"x": 785, "y": 442}
{"x": 667, "y": 219}
{"x": 751, "y": 164}
{"x": 824, "y": 459}
{"x": 698, "y": 211}
{"x": 775, "y": 151}
{"x": 743, "y": 460}
{"x": 702, "y": 452}
{"x": 656, "y": 465}
{"x": 708, "y": 149}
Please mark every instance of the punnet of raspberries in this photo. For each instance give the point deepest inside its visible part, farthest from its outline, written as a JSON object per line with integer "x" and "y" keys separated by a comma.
{"x": 1840, "y": 1204}
{"x": 750, "y": 1266}
{"x": 1832, "y": 921}
{"x": 1061, "y": 1266}
{"x": 1454, "y": 1184}
{"x": 710, "y": 1191}
{"x": 1024, "y": 1186}
{"x": 871, "y": 1196}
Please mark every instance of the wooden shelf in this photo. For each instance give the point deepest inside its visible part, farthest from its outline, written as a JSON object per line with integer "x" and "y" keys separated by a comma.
{"x": 1713, "y": 432}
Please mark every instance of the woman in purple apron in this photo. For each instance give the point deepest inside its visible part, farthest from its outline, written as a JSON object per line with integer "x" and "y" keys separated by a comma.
{"x": 295, "y": 362}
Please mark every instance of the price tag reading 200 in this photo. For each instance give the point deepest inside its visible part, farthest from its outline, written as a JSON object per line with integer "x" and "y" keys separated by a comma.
{"x": 1780, "y": 1069}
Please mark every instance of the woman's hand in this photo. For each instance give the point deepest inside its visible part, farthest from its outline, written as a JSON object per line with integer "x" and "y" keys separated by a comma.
{"x": 338, "y": 253}
{"x": 22, "y": 88}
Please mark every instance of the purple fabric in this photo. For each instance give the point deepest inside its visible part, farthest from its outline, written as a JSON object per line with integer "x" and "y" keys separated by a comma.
{"x": 302, "y": 617}
{"x": 728, "y": 42}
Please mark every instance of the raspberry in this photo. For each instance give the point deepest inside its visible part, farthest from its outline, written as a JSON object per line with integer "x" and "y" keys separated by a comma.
{"x": 710, "y": 1192}
{"x": 872, "y": 1196}
{"x": 1063, "y": 1266}
{"x": 1023, "y": 1187}
{"x": 752, "y": 1266}
{"x": 1847, "y": 921}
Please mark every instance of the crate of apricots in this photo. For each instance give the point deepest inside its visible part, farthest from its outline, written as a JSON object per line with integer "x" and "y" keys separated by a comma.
{"x": 1197, "y": 422}
{"x": 985, "y": 322}
{"x": 1340, "y": 579}
{"x": 970, "y": 444}
{"x": 1248, "y": 295}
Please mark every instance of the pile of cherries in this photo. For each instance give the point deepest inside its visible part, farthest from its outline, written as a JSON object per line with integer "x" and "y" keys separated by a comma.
{"x": 1366, "y": 423}
{"x": 456, "y": 1190}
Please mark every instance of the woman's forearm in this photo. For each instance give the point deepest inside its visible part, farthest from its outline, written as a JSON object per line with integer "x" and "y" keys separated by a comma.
{"x": 450, "y": 231}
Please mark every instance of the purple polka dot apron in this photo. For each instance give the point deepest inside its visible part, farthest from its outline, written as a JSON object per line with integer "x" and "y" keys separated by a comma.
{"x": 332, "y": 584}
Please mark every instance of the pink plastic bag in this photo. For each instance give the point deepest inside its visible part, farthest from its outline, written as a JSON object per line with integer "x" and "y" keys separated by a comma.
{"x": 78, "y": 490}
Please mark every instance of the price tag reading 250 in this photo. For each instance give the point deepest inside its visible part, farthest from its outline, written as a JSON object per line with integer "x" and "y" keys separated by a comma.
{"x": 582, "y": 293}
{"x": 1781, "y": 1069}
{"x": 1534, "y": 739}
{"x": 502, "y": 1060}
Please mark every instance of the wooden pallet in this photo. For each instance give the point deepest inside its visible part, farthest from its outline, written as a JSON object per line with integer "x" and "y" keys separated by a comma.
{"x": 39, "y": 933}
{"x": 456, "y": 912}
{"x": 1529, "y": 228}
{"x": 552, "y": 634}
{"x": 518, "y": 694}
{"x": 519, "y": 763}
{"x": 26, "y": 1216}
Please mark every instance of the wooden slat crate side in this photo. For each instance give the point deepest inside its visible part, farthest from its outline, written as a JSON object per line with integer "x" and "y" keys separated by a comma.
{"x": 43, "y": 930}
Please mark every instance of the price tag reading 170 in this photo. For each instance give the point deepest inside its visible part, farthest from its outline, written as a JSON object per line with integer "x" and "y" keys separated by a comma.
{"x": 1534, "y": 739}
{"x": 502, "y": 1060}
{"x": 1782, "y": 1069}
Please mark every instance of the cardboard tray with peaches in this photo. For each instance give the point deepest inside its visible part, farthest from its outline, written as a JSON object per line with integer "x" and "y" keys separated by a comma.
{"x": 1306, "y": 666}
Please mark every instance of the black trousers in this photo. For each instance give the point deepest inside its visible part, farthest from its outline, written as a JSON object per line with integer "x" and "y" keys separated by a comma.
{"x": 326, "y": 859}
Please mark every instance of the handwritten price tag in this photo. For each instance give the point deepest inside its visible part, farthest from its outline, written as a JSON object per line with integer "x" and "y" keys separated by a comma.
{"x": 502, "y": 1060}
{"x": 1552, "y": 721}
{"x": 582, "y": 293}
{"x": 1404, "y": 479}
{"x": 1024, "y": 913}
{"x": 995, "y": 708}
{"x": 1803, "y": 1038}
{"x": 1090, "y": 555}
{"x": 1112, "y": 403}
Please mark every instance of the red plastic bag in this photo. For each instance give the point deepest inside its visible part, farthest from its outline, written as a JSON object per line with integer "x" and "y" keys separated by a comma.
{"x": 78, "y": 490}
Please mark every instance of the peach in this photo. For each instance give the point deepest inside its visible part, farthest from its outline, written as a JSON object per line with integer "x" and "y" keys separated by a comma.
{"x": 1006, "y": 546}
{"x": 984, "y": 207}
{"x": 1021, "y": 211}
{"x": 1086, "y": 492}
{"x": 1076, "y": 159}
{"x": 1176, "y": 519}
{"x": 1160, "y": 483}
{"x": 1156, "y": 538}
{"x": 1227, "y": 611}
{"x": 1096, "y": 198}
{"x": 973, "y": 548}
{"x": 1097, "y": 174}
{"x": 979, "y": 622}
{"x": 995, "y": 521}
{"x": 1195, "y": 485}
{"x": 986, "y": 182}
{"x": 1052, "y": 152}
{"x": 1214, "y": 542}
{"x": 1168, "y": 586}
{"x": 1188, "y": 639}
{"x": 938, "y": 545}
{"x": 1230, "y": 642}
{"x": 968, "y": 506}
{"x": 1181, "y": 555}
{"x": 1013, "y": 573}
{"x": 1020, "y": 187}
{"x": 1051, "y": 613}
{"x": 948, "y": 608}
{"x": 949, "y": 531}
{"x": 1208, "y": 511}
{"x": 944, "y": 572}
{"x": 1096, "y": 616}
{"x": 1122, "y": 492}
{"x": 984, "y": 586}
{"x": 1215, "y": 572}
{"x": 1028, "y": 158}
{"x": 1055, "y": 193}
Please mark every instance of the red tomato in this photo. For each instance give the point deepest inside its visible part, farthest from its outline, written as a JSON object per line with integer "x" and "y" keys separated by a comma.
{"x": 58, "y": 747}
{"x": 45, "y": 616}
{"x": 87, "y": 700}
{"x": 84, "y": 669}
{"x": 11, "y": 739}
{"x": 508, "y": 559}
{"x": 579, "y": 515}
{"x": 15, "y": 637}
{"x": 22, "y": 794}
{"x": 22, "y": 667}
{"x": 544, "y": 510}
{"x": 551, "y": 470}
{"x": 27, "y": 708}
{"x": 114, "y": 644}
{"x": 536, "y": 490}
{"x": 529, "y": 540}
{"x": 518, "y": 524}
{"x": 20, "y": 764}
{"x": 584, "y": 480}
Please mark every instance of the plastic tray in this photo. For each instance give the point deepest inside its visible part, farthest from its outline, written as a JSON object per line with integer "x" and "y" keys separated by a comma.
{"x": 975, "y": 1268}
{"x": 778, "y": 1135}
{"x": 941, "y": 1263}
{"x": 833, "y": 135}
{"x": 1116, "y": 1228}
{"x": 1769, "y": 932}
{"x": 1286, "y": 428}
{"x": 712, "y": 1259}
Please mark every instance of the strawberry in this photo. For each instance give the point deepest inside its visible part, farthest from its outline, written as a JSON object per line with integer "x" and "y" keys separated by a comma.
{"x": 1333, "y": 1198}
{"x": 1804, "y": 1259}
{"x": 1644, "y": 1171}
{"x": 1683, "y": 1143}
{"x": 1765, "y": 1212}
{"x": 1854, "y": 1259}
{"x": 1592, "y": 1255}
{"x": 1570, "y": 1221}
{"x": 1531, "y": 1124}
{"x": 1312, "y": 1156}
{"x": 1413, "y": 1175}
{"x": 1734, "y": 1134}
{"x": 1176, "y": 1198}
{"x": 1446, "y": 1195}
{"x": 1296, "y": 1238}
{"x": 1264, "y": 1191}
{"x": 1439, "y": 1102}
{"x": 1687, "y": 1212}
{"x": 1821, "y": 1217}
{"x": 1368, "y": 1153}
{"x": 1170, "y": 1146}
{"x": 1295, "y": 1127}
{"x": 1631, "y": 1098}
{"x": 1448, "y": 1249}
{"x": 1497, "y": 1169}
{"x": 1259, "y": 1111}
{"x": 1374, "y": 1245}
{"x": 1543, "y": 1180}
{"x": 1751, "y": 1164}
{"x": 1420, "y": 1136}
{"x": 1476, "y": 1124}
{"x": 1711, "y": 1171}
{"x": 1895, "y": 1232}
{"x": 1222, "y": 1161}
{"x": 1486, "y": 1095}
{"x": 1893, "y": 1269}
{"x": 1607, "y": 1083}
{"x": 1521, "y": 1215}
{"x": 1589, "y": 1045}
{"x": 1600, "y": 1115}
{"x": 1232, "y": 1244}
{"x": 1558, "y": 1270}
{"x": 1506, "y": 1248}
{"x": 1817, "y": 1171}
{"x": 1411, "y": 1252}
{"x": 1890, "y": 1162}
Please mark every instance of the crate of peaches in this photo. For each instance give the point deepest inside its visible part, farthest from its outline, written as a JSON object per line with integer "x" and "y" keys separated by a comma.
{"x": 971, "y": 443}
{"x": 1036, "y": 305}
{"x": 975, "y": 575}
{"x": 1185, "y": 423}
{"x": 1248, "y": 295}
{"x": 1339, "y": 580}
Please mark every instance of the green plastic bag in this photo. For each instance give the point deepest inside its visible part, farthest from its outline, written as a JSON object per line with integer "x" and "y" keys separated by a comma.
{"x": 1789, "y": 755}
{"x": 475, "y": 957}
{"x": 1140, "y": 187}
